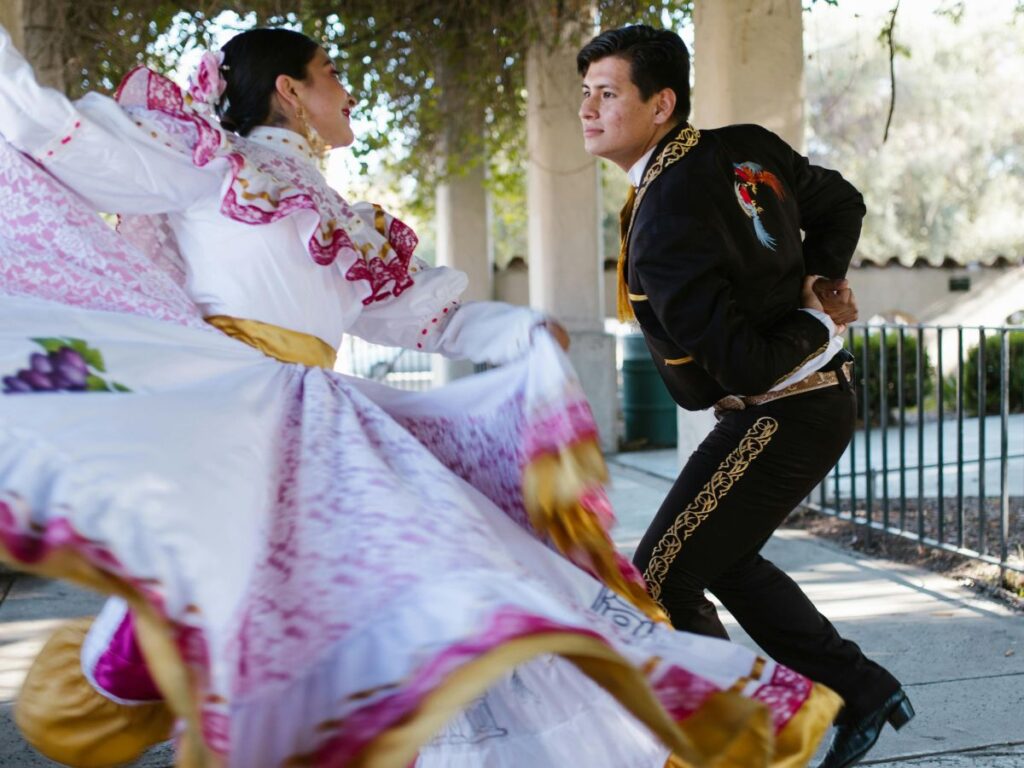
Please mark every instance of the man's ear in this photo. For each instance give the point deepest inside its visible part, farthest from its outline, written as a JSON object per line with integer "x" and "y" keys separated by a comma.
{"x": 664, "y": 105}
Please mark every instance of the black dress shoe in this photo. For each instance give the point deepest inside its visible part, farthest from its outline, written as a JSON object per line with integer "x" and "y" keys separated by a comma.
{"x": 853, "y": 739}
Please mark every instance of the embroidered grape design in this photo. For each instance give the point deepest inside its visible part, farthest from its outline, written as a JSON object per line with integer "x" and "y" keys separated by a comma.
{"x": 64, "y": 365}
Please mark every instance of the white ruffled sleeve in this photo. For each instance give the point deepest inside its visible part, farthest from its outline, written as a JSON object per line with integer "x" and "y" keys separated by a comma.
{"x": 489, "y": 332}
{"x": 407, "y": 303}
{"x": 429, "y": 317}
{"x": 116, "y": 161}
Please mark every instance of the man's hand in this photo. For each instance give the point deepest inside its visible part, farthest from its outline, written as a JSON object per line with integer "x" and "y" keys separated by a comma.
{"x": 833, "y": 297}
{"x": 808, "y": 296}
{"x": 837, "y": 300}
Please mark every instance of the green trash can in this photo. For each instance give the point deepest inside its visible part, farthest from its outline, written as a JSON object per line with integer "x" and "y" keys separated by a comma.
{"x": 648, "y": 409}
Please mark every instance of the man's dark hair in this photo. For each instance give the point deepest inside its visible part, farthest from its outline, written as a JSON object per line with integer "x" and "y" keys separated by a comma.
{"x": 657, "y": 58}
{"x": 252, "y": 62}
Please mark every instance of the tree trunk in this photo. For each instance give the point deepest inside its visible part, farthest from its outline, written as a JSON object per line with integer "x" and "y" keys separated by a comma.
{"x": 38, "y": 30}
{"x": 463, "y": 240}
{"x": 11, "y": 20}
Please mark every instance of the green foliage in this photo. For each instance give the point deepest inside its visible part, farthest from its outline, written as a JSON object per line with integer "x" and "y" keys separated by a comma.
{"x": 872, "y": 371}
{"x": 448, "y": 78}
{"x": 993, "y": 370}
{"x": 506, "y": 184}
{"x": 949, "y": 181}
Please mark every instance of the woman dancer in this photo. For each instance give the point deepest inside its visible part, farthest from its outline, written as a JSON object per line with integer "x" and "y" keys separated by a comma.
{"x": 309, "y": 569}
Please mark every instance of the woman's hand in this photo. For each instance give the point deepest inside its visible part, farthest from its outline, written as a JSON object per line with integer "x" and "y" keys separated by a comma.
{"x": 557, "y": 330}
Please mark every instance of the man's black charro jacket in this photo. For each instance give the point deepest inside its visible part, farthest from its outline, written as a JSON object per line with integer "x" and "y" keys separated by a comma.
{"x": 715, "y": 260}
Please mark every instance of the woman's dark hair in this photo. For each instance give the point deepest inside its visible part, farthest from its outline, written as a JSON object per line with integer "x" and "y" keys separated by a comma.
{"x": 252, "y": 62}
{"x": 657, "y": 58}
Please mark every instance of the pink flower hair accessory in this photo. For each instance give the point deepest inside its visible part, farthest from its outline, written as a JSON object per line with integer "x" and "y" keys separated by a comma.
{"x": 207, "y": 83}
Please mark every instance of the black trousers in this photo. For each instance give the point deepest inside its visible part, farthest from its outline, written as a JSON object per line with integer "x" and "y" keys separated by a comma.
{"x": 755, "y": 467}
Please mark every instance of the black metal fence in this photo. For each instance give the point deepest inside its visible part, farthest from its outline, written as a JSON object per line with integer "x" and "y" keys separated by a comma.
{"x": 938, "y": 456}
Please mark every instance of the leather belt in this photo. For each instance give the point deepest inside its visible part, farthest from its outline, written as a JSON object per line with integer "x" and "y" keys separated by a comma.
{"x": 816, "y": 380}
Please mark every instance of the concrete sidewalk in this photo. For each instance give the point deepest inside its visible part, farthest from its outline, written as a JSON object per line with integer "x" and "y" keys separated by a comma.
{"x": 960, "y": 657}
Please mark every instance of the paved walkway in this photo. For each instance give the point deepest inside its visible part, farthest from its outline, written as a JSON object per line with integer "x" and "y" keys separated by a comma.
{"x": 887, "y": 449}
{"x": 960, "y": 657}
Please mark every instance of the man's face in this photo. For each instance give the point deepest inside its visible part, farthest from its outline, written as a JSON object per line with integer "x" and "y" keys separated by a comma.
{"x": 618, "y": 124}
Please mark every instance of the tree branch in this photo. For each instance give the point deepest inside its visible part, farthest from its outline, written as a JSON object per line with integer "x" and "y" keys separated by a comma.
{"x": 889, "y": 34}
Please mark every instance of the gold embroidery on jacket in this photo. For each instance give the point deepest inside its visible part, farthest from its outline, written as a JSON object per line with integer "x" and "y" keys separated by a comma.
{"x": 804, "y": 362}
{"x": 673, "y": 151}
{"x": 732, "y": 468}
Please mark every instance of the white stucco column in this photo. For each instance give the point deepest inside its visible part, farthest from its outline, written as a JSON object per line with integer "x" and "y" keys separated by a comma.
{"x": 748, "y": 68}
{"x": 11, "y": 18}
{"x": 749, "y": 65}
{"x": 463, "y": 240}
{"x": 463, "y": 243}
{"x": 565, "y": 260}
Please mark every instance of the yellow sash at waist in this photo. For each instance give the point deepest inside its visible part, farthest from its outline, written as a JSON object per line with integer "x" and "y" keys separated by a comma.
{"x": 279, "y": 343}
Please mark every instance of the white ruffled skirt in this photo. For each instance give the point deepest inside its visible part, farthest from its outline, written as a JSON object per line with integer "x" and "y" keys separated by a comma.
{"x": 321, "y": 570}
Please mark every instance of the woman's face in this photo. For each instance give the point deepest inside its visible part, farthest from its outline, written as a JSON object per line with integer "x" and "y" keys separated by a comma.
{"x": 326, "y": 101}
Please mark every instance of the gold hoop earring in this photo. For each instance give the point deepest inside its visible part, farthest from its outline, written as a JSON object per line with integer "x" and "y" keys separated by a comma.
{"x": 316, "y": 143}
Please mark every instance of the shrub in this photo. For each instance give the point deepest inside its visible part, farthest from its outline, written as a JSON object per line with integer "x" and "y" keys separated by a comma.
{"x": 993, "y": 361}
{"x": 873, "y": 371}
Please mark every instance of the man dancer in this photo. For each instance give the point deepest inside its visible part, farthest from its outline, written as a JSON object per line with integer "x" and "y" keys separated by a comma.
{"x": 713, "y": 267}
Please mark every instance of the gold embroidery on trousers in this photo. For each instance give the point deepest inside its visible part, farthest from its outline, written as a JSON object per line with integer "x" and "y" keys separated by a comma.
{"x": 732, "y": 468}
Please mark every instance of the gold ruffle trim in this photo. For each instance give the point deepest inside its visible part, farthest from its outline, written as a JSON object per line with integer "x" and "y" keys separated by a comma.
{"x": 69, "y": 721}
{"x": 553, "y": 485}
{"x": 165, "y": 664}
